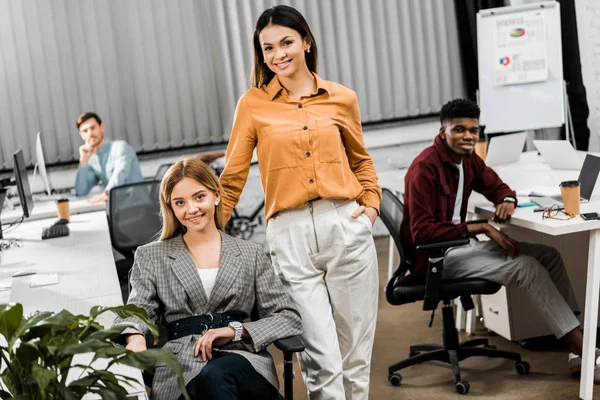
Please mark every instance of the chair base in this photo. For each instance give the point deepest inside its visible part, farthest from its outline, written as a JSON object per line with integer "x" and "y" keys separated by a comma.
{"x": 452, "y": 352}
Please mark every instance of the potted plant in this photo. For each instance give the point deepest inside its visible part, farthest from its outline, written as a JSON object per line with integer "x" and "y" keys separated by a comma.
{"x": 39, "y": 349}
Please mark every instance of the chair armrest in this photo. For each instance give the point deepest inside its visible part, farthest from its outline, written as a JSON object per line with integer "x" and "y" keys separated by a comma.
{"x": 438, "y": 249}
{"x": 292, "y": 344}
{"x": 435, "y": 269}
{"x": 477, "y": 221}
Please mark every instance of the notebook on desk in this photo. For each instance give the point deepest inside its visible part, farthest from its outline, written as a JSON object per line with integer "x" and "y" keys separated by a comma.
{"x": 587, "y": 181}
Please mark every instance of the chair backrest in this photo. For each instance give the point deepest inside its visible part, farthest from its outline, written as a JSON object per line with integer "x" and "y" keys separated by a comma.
{"x": 134, "y": 215}
{"x": 161, "y": 171}
{"x": 391, "y": 212}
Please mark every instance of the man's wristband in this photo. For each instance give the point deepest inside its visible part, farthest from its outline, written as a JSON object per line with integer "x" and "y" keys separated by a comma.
{"x": 509, "y": 199}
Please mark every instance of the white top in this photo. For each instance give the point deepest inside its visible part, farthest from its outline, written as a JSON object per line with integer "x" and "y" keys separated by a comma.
{"x": 459, "y": 194}
{"x": 208, "y": 278}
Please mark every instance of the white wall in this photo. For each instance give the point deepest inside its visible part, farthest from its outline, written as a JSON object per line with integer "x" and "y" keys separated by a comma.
{"x": 588, "y": 27}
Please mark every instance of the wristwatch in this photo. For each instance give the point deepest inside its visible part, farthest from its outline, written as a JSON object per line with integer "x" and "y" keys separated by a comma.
{"x": 509, "y": 199}
{"x": 238, "y": 328}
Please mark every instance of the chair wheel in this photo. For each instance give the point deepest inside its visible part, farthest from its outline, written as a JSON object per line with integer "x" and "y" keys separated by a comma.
{"x": 522, "y": 367}
{"x": 462, "y": 387}
{"x": 395, "y": 379}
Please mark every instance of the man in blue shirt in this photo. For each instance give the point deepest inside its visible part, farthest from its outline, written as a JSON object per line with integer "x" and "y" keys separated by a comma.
{"x": 110, "y": 162}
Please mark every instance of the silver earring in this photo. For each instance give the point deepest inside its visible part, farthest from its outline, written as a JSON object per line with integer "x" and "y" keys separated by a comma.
{"x": 216, "y": 203}
{"x": 308, "y": 50}
{"x": 265, "y": 61}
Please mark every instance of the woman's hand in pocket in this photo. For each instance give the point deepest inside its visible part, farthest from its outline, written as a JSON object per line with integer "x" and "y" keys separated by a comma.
{"x": 370, "y": 212}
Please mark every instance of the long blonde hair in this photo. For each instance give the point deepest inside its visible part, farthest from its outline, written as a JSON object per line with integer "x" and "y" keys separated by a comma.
{"x": 193, "y": 168}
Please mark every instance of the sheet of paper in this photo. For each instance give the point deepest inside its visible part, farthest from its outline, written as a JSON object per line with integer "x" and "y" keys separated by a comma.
{"x": 540, "y": 191}
{"x": 5, "y": 284}
{"x": 520, "y": 49}
{"x": 43, "y": 280}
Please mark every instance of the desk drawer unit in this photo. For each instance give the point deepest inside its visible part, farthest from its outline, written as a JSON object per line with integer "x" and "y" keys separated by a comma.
{"x": 496, "y": 313}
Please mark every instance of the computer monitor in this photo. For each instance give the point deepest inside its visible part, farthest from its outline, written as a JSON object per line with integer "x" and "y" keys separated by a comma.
{"x": 40, "y": 164}
{"x": 22, "y": 182}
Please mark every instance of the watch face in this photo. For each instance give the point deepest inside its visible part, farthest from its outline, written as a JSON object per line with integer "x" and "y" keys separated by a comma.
{"x": 235, "y": 324}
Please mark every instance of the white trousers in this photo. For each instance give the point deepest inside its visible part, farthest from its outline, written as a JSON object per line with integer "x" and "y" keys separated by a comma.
{"x": 328, "y": 262}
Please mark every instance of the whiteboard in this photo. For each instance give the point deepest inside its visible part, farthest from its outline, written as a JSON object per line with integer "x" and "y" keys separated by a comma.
{"x": 524, "y": 106}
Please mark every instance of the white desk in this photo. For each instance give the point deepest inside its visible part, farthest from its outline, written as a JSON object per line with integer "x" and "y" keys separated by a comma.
{"x": 47, "y": 209}
{"x": 526, "y": 218}
{"x": 84, "y": 263}
{"x": 530, "y": 172}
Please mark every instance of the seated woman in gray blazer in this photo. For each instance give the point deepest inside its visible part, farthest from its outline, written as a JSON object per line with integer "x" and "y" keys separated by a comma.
{"x": 204, "y": 285}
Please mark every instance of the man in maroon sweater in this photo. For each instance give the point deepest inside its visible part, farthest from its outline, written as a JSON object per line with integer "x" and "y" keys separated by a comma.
{"x": 437, "y": 188}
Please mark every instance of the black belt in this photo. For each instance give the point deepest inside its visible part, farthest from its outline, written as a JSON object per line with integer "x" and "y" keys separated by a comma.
{"x": 198, "y": 324}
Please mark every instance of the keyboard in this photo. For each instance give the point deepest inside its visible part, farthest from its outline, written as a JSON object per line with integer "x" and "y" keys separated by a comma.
{"x": 55, "y": 231}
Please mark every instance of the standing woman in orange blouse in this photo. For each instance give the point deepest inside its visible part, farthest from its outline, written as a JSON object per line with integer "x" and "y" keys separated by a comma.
{"x": 321, "y": 200}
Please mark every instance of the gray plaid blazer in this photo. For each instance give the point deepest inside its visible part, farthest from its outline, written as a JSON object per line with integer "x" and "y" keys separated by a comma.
{"x": 165, "y": 282}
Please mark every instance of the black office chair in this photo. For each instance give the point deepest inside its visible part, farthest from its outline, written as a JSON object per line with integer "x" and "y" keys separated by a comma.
{"x": 133, "y": 220}
{"x": 406, "y": 288}
{"x": 161, "y": 171}
{"x": 288, "y": 346}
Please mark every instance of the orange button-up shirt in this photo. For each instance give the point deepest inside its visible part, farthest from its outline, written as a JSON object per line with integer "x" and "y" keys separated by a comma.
{"x": 307, "y": 148}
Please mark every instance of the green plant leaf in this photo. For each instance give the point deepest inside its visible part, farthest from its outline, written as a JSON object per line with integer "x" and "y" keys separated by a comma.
{"x": 106, "y": 394}
{"x": 6, "y": 380}
{"x": 109, "y": 333}
{"x": 89, "y": 346}
{"x": 27, "y": 353}
{"x": 107, "y": 380}
{"x": 128, "y": 311}
{"x": 43, "y": 377}
{"x": 65, "y": 393}
{"x": 63, "y": 318}
{"x": 147, "y": 358}
{"x": 109, "y": 352}
{"x": 41, "y": 348}
{"x": 10, "y": 319}
{"x": 86, "y": 381}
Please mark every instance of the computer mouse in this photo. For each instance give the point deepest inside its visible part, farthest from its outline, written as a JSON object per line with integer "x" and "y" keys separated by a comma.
{"x": 23, "y": 273}
{"x": 60, "y": 221}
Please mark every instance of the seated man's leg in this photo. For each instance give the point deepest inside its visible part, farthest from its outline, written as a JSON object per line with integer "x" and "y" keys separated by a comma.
{"x": 486, "y": 260}
{"x": 551, "y": 259}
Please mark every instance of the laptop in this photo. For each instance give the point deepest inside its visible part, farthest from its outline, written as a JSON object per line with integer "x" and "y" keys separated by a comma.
{"x": 558, "y": 154}
{"x": 587, "y": 181}
{"x": 505, "y": 149}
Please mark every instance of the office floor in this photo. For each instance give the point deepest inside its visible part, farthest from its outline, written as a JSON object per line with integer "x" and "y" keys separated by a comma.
{"x": 399, "y": 327}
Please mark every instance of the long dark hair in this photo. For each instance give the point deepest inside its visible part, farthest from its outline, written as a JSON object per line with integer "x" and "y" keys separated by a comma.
{"x": 291, "y": 18}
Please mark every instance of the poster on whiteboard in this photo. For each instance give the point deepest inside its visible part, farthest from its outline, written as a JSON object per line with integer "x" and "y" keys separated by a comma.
{"x": 520, "y": 49}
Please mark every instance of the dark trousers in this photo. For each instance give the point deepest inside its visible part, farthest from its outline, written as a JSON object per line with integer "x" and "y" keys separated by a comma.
{"x": 230, "y": 377}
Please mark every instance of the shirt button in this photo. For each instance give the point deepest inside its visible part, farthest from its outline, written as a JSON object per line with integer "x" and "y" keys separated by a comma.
{"x": 311, "y": 180}
{"x": 299, "y": 105}
{"x": 305, "y": 127}
{"x": 308, "y": 154}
